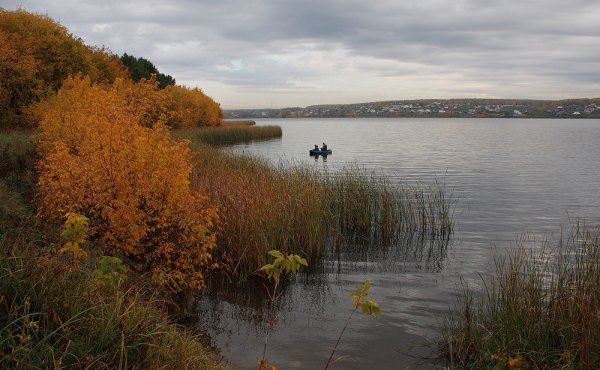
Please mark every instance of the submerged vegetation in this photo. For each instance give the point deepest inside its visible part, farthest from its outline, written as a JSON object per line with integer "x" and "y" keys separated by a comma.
{"x": 541, "y": 311}
{"x": 230, "y": 134}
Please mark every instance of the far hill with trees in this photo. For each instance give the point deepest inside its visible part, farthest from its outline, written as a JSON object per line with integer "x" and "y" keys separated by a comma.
{"x": 432, "y": 108}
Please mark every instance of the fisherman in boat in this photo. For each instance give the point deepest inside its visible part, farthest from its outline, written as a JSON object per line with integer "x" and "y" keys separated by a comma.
{"x": 324, "y": 148}
{"x": 316, "y": 147}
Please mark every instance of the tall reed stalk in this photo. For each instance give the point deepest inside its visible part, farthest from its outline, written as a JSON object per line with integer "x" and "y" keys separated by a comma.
{"x": 302, "y": 210}
{"x": 227, "y": 135}
{"x": 541, "y": 310}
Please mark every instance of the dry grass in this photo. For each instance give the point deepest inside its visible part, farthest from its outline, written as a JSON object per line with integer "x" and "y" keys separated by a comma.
{"x": 541, "y": 311}
{"x": 228, "y": 135}
{"x": 301, "y": 210}
{"x": 57, "y": 315}
{"x": 230, "y": 123}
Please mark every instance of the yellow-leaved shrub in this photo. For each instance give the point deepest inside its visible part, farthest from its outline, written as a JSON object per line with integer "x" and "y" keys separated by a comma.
{"x": 190, "y": 108}
{"x": 107, "y": 155}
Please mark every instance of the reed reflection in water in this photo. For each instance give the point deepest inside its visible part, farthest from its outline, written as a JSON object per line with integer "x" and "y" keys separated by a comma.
{"x": 316, "y": 299}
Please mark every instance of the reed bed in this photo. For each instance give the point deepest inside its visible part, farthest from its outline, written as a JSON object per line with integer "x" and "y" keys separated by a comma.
{"x": 228, "y": 135}
{"x": 245, "y": 122}
{"x": 302, "y": 210}
{"x": 541, "y": 311}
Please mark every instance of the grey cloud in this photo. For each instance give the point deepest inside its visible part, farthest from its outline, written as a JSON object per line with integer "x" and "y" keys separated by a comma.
{"x": 296, "y": 45}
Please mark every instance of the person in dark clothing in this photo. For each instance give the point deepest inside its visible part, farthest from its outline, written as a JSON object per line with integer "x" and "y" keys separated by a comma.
{"x": 316, "y": 147}
{"x": 324, "y": 147}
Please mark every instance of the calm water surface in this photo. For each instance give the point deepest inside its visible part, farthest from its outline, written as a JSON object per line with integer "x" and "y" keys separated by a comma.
{"x": 508, "y": 177}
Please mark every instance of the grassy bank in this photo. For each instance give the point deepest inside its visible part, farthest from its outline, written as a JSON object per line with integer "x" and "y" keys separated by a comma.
{"x": 542, "y": 310}
{"x": 229, "y": 134}
{"x": 60, "y": 315}
{"x": 302, "y": 210}
{"x": 54, "y": 313}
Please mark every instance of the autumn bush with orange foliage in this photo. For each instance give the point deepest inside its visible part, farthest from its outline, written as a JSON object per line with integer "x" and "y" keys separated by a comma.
{"x": 106, "y": 155}
{"x": 190, "y": 107}
{"x": 37, "y": 54}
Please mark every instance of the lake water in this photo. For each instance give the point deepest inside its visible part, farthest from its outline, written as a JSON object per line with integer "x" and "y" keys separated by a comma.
{"x": 508, "y": 176}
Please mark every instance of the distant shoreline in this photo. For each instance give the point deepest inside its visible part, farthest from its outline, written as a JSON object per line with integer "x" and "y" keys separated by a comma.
{"x": 429, "y": 108}
{"x": 425, "y": 117}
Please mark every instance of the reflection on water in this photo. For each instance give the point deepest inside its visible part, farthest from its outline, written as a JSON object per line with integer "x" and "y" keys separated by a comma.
{"x": 508, "y": 176}
{"x": 323, "y": 157}
{"x": 235, "y": 314}
{"x": 412, "y": 249}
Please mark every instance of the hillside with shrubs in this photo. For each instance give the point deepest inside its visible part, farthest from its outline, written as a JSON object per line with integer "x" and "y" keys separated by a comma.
{"x": 102, "y": 239}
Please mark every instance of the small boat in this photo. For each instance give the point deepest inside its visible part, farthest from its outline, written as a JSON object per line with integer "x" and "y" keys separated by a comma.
{"x": 319, "y": 152}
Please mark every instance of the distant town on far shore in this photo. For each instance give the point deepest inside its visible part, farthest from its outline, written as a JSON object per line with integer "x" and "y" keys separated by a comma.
{"x": 431, "y": 108}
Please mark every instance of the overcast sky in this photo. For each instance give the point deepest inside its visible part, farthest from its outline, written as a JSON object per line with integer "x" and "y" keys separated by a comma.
{"x": 278, "y": 53}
